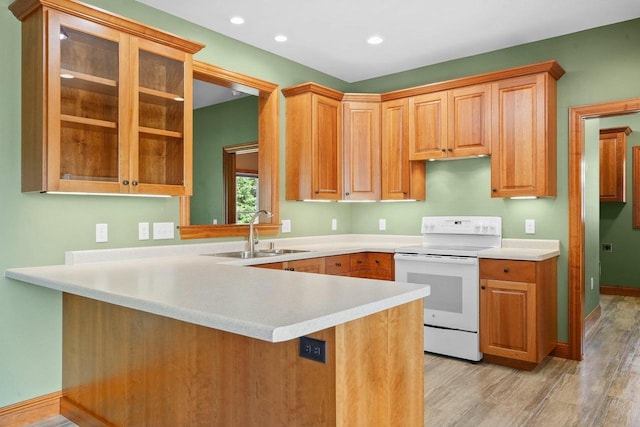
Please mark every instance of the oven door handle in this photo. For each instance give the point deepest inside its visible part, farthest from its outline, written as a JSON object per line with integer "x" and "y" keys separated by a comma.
{"x": 439, "y": 259}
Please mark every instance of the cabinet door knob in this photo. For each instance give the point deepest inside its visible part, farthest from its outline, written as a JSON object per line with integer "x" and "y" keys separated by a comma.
{"x": 449, "y": 149}
{"x": 347, "y": 194}
{"x": 444, "y": 151}
{"x": 134, "y": 183}
{"x": 495, "y": 190}
{"x": 506, "y": 270}
{"x": 292, "y": 269}
{"x": 377, "y": 261}
{"x": 483, "y": 287}
{"x": 125, "y": 182}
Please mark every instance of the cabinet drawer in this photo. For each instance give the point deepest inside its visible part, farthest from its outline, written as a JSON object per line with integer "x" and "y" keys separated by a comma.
{"x": 271, "y": 265}
{"x": 337, "y": 265}
{"x": 502, "y": 269}
{"x": 371, "y": 260}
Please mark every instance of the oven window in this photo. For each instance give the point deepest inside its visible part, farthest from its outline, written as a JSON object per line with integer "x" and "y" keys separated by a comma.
{"x": 446, "y": 291}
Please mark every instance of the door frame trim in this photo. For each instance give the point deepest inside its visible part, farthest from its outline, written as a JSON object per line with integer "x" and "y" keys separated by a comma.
{"x": 576, "y": 289}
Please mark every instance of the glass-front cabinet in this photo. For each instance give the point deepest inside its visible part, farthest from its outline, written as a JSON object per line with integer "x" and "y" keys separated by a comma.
{"x": 107, "y": 103}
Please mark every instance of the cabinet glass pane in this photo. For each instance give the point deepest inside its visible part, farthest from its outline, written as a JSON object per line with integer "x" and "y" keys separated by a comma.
{"x": 88, "y": 107}
{"x": 161, "y": 92}
{"x": 161, "y": 120}
{"x": 160, "y": 160}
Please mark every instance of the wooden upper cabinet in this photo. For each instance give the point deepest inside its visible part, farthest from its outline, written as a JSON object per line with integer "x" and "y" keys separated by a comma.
{"x": 428, "y": 126}
{"x": 523, "y": 159}
{"x": 107, "y": 102}
{"x": 470, "y": 121}
{"x": 401, "y": 179}
{"x": 313, "y": 143}
{"x": 361, "y": 147}
{"x": 453, "y": 123}
{"x": 613, "y": 159}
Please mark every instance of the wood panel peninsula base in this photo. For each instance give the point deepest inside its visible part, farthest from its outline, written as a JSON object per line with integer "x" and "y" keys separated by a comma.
{"x": 127, "y": 367}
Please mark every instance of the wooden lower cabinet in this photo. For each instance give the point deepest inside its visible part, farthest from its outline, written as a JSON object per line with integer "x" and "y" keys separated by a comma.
{"x": 309, "y": 265}
{"x": 337, "y": 265}
{"x": 373, "y": 265}
{"x": 366, "y": 265}
{"x": 518, "y": 311}
{"x": 125, "y": 367}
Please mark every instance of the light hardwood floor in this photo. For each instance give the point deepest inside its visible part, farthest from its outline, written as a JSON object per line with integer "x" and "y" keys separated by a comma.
{"x": 602, "y": 390}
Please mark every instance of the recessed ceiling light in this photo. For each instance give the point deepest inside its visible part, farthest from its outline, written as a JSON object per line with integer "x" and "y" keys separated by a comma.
{"x": 238, "y": 20}
{"x": 280, "y": 38}
{"x": 375, "y": 40}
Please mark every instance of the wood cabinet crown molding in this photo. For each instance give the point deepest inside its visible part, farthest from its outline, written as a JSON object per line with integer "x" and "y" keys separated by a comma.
{"x": 551, "y": 67}
{"x": 622, "y": 129}
{"x": 21, "y": 9}
{"x": 311, "y": 87}
{"x": 362, "y": 97}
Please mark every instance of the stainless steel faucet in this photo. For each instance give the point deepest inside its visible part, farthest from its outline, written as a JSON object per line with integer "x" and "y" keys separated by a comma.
{"x": 252, "y": 240}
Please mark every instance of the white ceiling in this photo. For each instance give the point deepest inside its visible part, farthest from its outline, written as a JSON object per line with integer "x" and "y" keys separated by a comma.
{"x": 206, "y": 94}
{"x": 330, "y": 35}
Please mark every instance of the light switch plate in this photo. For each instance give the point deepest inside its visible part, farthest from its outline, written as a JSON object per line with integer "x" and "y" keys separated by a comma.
{"x": 102, "y": 233}
{"x": 163, "y": 230}
{"x": 530, "y": 226}
{"x": 286, "y": 226}
{"x": 382, "y": 224}
{"x": 334, "y": 224}
{"x": 143, "y": 231}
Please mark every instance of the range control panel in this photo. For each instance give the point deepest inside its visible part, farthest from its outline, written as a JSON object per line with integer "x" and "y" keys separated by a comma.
{"x": 469, "y": 225}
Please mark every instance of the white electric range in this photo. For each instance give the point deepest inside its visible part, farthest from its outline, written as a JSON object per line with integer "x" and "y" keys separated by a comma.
{"x": 447, "y": 260}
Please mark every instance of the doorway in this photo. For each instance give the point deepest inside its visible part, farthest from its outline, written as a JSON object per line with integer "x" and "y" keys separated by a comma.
{"x": 577, "y": 116}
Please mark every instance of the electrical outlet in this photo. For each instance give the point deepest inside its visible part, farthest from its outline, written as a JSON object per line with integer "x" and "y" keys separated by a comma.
{"x": 286, "y": 226}
{"x": 102, "y": 233}
{"x": 143, "y": 231}
{"x": 313, "y": 349}
{"x": 334, "y": 224}
{"x": 382, "y": 224}
{"x": 163, "y": 230}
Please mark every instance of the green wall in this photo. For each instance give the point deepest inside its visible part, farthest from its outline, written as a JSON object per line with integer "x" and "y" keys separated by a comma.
{"x": 215, "y": 127}
{"x": 591, "y": 215}
{"x": 619, "y": 267}
{"x": 36, "y": 229}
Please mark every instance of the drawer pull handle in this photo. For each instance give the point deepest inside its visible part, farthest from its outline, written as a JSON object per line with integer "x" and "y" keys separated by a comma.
{"x": 338, "y": 264}
{"x": 359, "y": 261}
{"x": 377, "y": 261}
{"x": 506, "y": 270}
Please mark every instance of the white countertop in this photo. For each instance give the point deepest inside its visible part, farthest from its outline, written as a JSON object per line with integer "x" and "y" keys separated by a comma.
{"x": 177, "y": 281}
{"x": 524, "y": 250}
{"x": 270, "y": 305}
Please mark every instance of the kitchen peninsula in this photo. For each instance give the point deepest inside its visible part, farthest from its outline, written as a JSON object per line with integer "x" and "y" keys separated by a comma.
{"x": 187, "y": 340}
